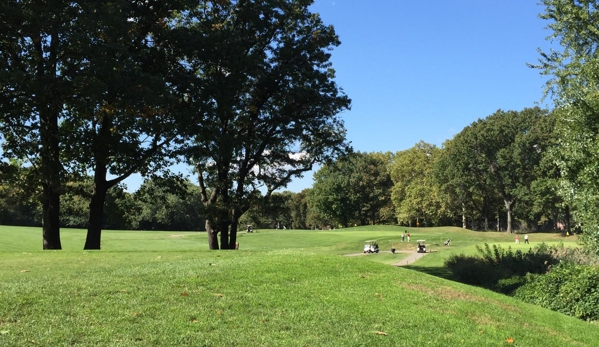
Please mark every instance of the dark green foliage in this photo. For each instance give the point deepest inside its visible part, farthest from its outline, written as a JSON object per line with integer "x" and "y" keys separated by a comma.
{"x": 167, "y": 204}
{"x": 495, "y": 264}
{"x": 353, "y": 190}
{"x": 568, "y": 288}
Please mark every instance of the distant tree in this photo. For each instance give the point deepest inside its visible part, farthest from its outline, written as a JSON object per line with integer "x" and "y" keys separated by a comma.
{"x": 503, "y": 151}
{"x": 465, "y": 188}
{"x": 353, "y": 189}
{"x": 19, "y": 195}
{"x": 415, "y": 193}
{"x": 167, "y": 204}
{"x": 298, "y": 207}
{"x": 75, "y": 202}
{"x": 270, "y": 108}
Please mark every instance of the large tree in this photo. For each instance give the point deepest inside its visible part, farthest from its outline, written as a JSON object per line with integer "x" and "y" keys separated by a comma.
{"x": 268, "y": 99}
{"x": 37, "y": 42}
{"x": 415, "y": 193}
{"x": 502, "y": 151}
{"x": 122, "y": 119}
{"x": 353, "y": 189}
{"x": 83, "y": 87}
{"x": 574, "y": 86}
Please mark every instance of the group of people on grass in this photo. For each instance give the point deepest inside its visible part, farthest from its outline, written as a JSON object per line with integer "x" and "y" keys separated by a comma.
{"x": 404, "y": 235}
{"x": 525, "y": 239}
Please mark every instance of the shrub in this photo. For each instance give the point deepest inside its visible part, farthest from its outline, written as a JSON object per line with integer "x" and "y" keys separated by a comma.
{"x": 568, "y": 288}
{"x": 496, "y": 264}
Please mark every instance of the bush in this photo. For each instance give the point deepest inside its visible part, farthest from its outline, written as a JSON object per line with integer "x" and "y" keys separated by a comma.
{"x": 496, "y": 264}
{"x": 568, "y": 288}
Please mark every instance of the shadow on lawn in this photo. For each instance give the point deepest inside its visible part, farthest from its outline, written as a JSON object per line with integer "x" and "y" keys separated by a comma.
{"x": 441, "y": 272}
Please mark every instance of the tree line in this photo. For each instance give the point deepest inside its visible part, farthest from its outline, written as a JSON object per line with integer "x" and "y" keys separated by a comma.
{"x": 498, "y": 173}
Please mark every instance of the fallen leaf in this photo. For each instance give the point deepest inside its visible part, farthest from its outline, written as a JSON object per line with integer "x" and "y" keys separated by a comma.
{"x": 122, "y": 291}
{"x": 185, "y": 294}
{"x": 135, "y": 314}
{"x": 3, "y": 332}
{"x": 381, "y": 333}
{"x": 509, "y": 340}
{"x": 219, "y": 295}
{"x": 218, "y": 312}
{"x": 195, "y": 321}
{"x": 24, "y": 270}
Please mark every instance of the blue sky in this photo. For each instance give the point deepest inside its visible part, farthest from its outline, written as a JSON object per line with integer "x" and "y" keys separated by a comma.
{"x": 423, "y": 70}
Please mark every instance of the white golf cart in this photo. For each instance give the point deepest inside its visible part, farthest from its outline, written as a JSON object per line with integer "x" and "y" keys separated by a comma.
{"x": 371, "y": 246}
{"x": 421, "y": 248}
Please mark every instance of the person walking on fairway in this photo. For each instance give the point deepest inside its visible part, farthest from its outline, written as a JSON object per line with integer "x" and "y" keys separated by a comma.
{"x": 403, "y": 236}
{"x": 517, "y": 239}
{"x": 526, "y": 239}
{"x": 408, "y": 236}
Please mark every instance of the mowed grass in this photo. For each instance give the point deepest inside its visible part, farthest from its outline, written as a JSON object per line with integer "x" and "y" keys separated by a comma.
{"x": 283, "y": 288}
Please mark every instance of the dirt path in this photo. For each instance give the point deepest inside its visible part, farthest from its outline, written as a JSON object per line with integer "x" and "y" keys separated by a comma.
{"x": 411, "y": 258}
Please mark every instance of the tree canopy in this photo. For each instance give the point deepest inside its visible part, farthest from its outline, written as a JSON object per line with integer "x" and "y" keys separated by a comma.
{"x": 271, "y": 104}
{"x": 574, "y": 86}
{"x": 353, "y": 190}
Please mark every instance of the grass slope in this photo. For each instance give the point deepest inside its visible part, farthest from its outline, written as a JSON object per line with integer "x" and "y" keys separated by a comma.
{"x": 280, "y": 289}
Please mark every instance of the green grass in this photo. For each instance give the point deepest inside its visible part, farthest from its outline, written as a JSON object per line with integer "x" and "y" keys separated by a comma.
{"x": 283, "y": 288}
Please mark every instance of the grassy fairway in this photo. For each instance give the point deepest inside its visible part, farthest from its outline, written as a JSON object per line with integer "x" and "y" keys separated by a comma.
{"x": 283, "y": 288}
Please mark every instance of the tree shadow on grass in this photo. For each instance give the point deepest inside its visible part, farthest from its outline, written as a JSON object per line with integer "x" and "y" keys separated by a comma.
{"x": 441, "y": 272}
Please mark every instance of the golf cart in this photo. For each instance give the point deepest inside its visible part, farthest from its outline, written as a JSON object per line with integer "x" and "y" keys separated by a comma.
{"x": 371, "y": 246}
{"x": 421, "y": 246}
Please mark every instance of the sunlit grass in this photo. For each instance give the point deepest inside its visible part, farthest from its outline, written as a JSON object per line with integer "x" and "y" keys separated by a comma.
{"x": 282, "y": 288}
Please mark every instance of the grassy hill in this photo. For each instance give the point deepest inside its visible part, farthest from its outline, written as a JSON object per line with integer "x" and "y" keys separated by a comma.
{"x": 283, "y": 288}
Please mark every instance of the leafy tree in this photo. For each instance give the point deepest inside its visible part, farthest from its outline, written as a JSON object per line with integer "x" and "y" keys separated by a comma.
{"x": 19, "y": 198}
{"x": 269, "y": 213}
{"x": 83, "y": 88}
{"x": 353, "y": 189}
{"x": 574, "y": 87}
{"x": 298, "y": 207}
{"x": 271, "y": 103}
{"x": 464, "y": 185}
{"x": 504, "y": 153}
{"x": 36, "y": 49}
{"x": 75, "y": 202}
{"x": 167, "y": 204}
{"x": 415, "y": 193}
{"x": 125, "y": 122}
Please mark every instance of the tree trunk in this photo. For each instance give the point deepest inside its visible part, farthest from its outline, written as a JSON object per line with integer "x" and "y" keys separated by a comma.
{"x": 50, "y": 218}
{"x": 464, "y": 217}
{"x": 508, "y": 207}
{"x": 96, "y": 215}
{"x": 50, "y": 157}
{"x": 224, "y": 233}
{"x": 212, "y": 236}
{"x": 233, "y": 233}
{"x": 568, "y": 219}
